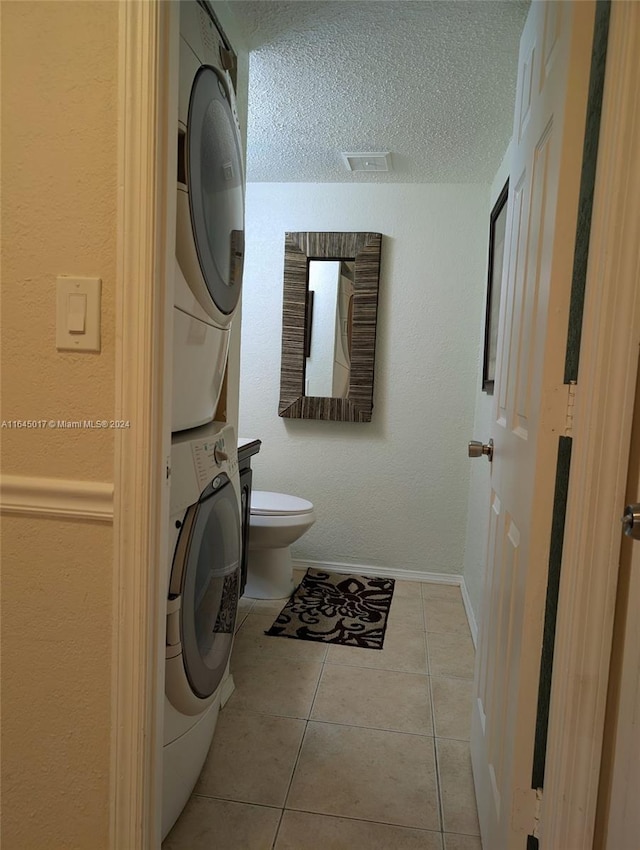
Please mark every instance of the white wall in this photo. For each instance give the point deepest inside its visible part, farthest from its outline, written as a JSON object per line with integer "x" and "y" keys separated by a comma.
{"x": 391, "y": 493}
{"x": 475, "y": 556}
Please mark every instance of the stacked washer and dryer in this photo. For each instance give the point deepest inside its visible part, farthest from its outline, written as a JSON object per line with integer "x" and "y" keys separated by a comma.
{"x": 203, "y": 573}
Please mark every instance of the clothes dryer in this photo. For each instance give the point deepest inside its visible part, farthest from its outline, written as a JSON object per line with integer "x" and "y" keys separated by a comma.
{"x": 203, "y": 581}
{"x": 209, "y": 218}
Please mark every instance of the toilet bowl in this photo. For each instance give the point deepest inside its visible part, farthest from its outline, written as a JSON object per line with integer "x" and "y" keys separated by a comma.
{"x": 276, "y": 521}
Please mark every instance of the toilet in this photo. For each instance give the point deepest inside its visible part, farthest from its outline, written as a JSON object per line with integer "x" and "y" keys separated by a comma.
{"x": 276, "y": 521}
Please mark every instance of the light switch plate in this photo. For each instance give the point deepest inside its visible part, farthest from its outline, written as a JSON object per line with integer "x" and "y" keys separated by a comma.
{"x": 66, "y": 316}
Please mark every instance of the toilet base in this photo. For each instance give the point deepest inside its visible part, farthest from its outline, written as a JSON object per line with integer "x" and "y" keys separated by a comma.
{"x": 269, "y": 574}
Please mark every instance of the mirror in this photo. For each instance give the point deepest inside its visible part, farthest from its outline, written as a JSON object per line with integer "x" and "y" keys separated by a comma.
{"x": 328, "y": 328}
{"x": 329, "y": 325}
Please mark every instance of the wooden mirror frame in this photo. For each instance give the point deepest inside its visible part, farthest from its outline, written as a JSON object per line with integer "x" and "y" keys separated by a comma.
{"x": 299, "y": 248}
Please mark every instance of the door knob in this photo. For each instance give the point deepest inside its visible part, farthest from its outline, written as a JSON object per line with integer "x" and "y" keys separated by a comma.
{"x": 477, "y": 449}
{"x": 631, "y": 521}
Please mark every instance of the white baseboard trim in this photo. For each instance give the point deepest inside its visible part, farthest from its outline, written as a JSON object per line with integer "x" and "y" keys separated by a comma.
{"x": 56, "y": 497}
{"x": 400, "y": 575}
{"x": 471, "y": 617}
{"x": 378, "y": 572}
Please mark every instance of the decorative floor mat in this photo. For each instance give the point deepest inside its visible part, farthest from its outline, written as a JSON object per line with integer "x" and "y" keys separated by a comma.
{"x": 328, "y": 607}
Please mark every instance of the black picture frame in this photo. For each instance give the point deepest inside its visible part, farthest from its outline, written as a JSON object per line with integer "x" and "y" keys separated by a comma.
{"x": 497, "y": 240}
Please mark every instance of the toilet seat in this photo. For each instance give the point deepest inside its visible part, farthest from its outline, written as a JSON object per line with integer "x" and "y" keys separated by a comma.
{"x": 267, "y": 503}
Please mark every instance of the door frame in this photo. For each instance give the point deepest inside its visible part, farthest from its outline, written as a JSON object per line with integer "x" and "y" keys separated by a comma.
{"x": 147, "y": 101}
{"x": 602, "y": 423}
{"x": 601, "y": 435}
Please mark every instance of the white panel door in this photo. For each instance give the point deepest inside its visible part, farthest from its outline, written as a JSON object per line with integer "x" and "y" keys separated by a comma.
{"x": 622, "y": 807}
{"x": 530, "y": 407}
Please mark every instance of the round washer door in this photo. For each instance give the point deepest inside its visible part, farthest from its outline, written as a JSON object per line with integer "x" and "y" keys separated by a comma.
{"x": 206, "y": 574}
{"x": 216, "y": 190}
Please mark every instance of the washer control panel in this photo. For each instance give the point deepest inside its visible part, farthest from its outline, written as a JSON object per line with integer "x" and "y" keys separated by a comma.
{"x": 211, "y": 455}
{"x": 197, "y": 457}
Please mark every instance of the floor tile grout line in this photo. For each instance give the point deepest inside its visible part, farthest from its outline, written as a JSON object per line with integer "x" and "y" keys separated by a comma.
{"x": 238, "y": 802}
{"x": 451, "y": 676}
{"x": 426, "y": 649}
{"x": 277, "y": 832}
{"x": 297, "y": 758}
{"x": 284, "y": 809}
{"x": 265, "y": 713}
{"x": 367, "y": 820}
{"x": 304, "y": 735}
{"x": 437, "y": 762}
{"x": 293, "y": 770}
{"x": 381, "y": 669}
{"x": 377, "y": 669}
{"x": 424, "y": 611}
{"x": 253, "y": 609}
{"x": 376, "y": 728}
{"x": 295, "y": 764}
{"x": 317, "y": 688}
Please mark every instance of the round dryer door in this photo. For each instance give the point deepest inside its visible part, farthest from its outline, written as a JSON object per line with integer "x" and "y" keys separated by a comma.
{"x": 215, "y": 186}
{"x": 206, "y": 574}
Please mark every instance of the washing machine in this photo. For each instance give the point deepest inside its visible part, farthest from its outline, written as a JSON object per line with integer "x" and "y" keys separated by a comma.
{"x": 209, "y": 218}
{"x": 203, "y": 583}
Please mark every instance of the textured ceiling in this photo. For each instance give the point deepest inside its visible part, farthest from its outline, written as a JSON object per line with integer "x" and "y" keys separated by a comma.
{"x": 432, "y": 82}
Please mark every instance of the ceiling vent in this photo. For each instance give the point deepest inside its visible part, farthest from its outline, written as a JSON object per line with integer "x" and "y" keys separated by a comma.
{"x": 379, "y": 161}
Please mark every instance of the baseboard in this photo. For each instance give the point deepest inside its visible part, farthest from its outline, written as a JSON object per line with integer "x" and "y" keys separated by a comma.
{"x": 378, "y": 572}
{"x": 56, "y": 497}
{"x": 471, "y": 617}
{"x": 400, "y": 575}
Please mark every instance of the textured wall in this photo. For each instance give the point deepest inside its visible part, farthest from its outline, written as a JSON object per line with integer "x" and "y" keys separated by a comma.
{"x": 56, "y": 670}
{"x": 392, "y": 493}
{"x": 475, "y": 555}
{"x": 59, "y": 138}
{"x": 59, "y": 135}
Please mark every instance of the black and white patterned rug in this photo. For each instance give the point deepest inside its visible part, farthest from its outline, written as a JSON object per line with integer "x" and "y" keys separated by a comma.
{"x": 350, "y": 610}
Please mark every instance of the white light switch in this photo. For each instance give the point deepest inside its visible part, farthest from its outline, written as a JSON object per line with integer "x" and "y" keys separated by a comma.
{"x": 78, "y": 313}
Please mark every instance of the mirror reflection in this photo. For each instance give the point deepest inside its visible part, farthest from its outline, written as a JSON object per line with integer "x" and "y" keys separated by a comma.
{"x": 329, "y": 311}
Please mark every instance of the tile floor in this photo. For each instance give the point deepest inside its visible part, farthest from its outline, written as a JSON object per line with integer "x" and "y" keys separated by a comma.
{"x": 325, "y": 747}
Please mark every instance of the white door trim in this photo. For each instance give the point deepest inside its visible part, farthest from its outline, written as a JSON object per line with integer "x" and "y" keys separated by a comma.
{"x": 602, "y": 427}
{"x": 140, "y": 500}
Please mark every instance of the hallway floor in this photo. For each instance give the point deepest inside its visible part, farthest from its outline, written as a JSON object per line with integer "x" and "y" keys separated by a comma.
{"x": 325, "y": 747}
